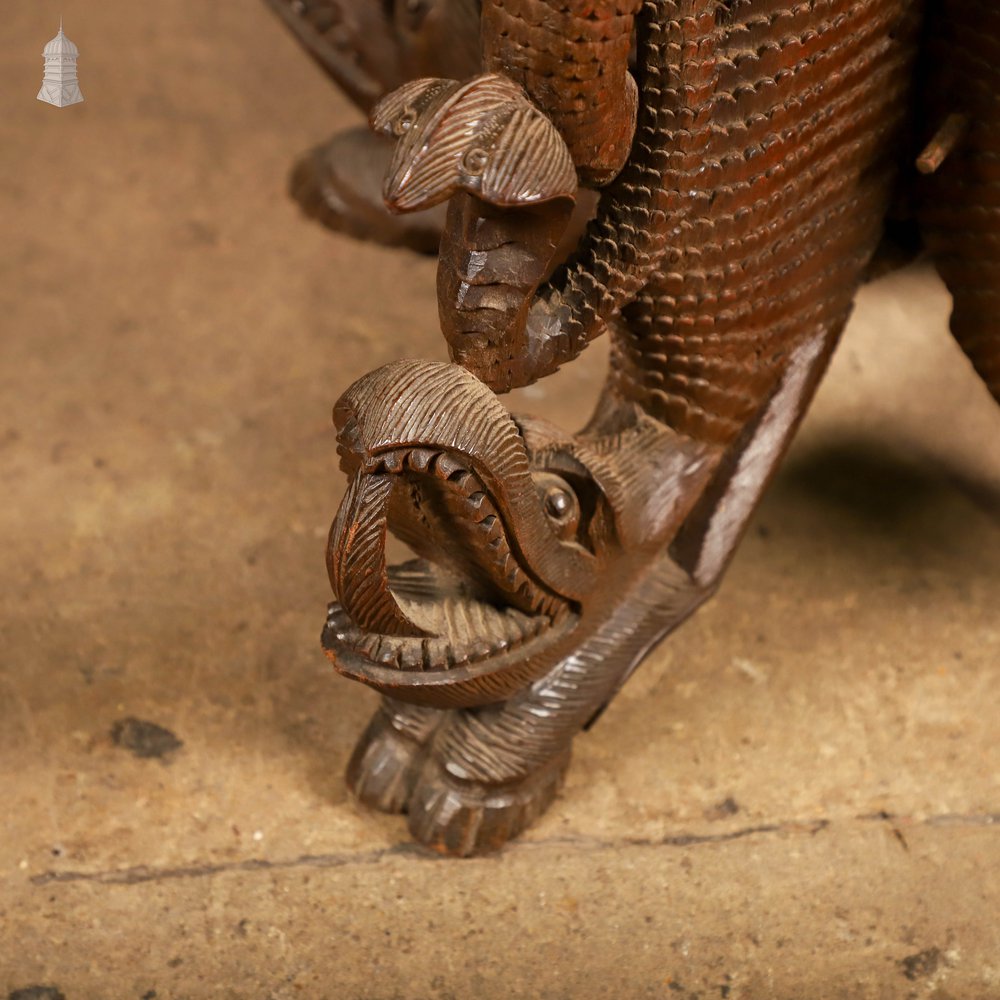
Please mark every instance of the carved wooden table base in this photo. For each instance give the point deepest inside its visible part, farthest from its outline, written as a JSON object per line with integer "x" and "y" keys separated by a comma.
{"x": 748, "y": 154}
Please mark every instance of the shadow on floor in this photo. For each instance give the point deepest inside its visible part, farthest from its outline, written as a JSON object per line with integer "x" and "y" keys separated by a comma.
{"x": 879, "y": 490}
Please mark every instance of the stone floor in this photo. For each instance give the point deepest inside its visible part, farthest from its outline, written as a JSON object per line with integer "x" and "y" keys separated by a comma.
{"x": 797, "y": 797}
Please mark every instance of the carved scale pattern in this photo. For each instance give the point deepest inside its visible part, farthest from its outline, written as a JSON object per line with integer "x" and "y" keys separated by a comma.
{"x": 783, "y": 127}
{"x": 569, "y": 56}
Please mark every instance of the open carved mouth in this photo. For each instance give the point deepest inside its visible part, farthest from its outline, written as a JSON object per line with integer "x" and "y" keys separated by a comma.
{"x": 490, "y": 595}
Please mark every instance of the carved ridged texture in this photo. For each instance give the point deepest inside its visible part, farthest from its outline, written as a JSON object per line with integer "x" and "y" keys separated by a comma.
{"x": 358, "y": 537}
{"x": 528, "y": 163}
{"x": 774, "y": 151}
{"x": 960, "y": 211}
{"x": 571, "y": 57}
{"x": 446, "y": 407}
{"x": 626, "y": 241}
{"x": 504, "y": 743}
{"x": 442, "y": 126}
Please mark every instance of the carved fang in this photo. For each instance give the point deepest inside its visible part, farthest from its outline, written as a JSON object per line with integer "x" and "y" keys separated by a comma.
{"x": 355, "y": 558}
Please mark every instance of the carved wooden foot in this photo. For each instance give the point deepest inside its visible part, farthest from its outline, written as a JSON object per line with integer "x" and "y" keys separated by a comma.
{"x": 439, "y": 768}
{"x": 545, "y": 577}
{"x": 386, "y": 760}
{"x": 339, "y": 184}
{"x": 416, "y": 760}
{"x": 464, "y": 818}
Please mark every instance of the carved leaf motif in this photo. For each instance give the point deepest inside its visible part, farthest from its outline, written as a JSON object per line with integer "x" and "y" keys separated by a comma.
{"x": 418, "y": 94}
{"x": 530, "y": 162}
{"x": 483, "y": 136}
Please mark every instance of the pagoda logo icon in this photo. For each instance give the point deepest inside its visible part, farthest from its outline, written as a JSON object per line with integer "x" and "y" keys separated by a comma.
{"x": 60, "y": 86}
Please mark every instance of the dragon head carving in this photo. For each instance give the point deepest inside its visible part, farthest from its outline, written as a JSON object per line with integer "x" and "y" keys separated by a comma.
{"x": 522, "y": 535}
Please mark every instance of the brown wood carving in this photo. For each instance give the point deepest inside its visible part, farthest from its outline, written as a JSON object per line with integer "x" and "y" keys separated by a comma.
{"x": 748, "y": 153}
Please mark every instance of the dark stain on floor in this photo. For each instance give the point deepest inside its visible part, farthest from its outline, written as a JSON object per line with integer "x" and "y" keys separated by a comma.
{"x": 922, "y": 964}
{"x": 144, "y": 739}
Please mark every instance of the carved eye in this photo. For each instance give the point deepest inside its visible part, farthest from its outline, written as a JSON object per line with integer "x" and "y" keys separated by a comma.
{"x": 475, "y": 160}
{"x": 559, "y": 502}
{"x": 405, "y": 121}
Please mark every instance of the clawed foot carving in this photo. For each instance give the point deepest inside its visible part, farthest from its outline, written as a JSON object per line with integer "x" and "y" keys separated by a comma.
{"x": 466, "y": 818}
{"x": 398, "y": 766}
{"x": 545, "y": 575}
{"x": 523, "y": 610}
{"x": 386, "y": 760}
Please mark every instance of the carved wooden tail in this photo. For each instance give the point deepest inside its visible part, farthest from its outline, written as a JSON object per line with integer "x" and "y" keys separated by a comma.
{"x": 627, "y": 240}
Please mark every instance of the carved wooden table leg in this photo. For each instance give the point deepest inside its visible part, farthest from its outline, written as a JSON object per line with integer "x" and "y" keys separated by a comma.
{"x": 489, "y": 771}
{"x": 369, "y": 48}
{"x": 746, "y": 160}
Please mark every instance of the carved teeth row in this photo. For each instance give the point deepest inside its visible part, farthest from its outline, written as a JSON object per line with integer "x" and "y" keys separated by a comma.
{"x": 431, "y": 654}
{"x": 491, "y": 527}
{"x": 447, "y": 468}
{"x": 412, "y": 654}
{"x": 420, "y": 459}
{"x": 393, "y": 462}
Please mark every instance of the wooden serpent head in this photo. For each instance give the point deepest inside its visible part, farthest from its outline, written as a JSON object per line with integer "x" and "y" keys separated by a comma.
{"x": 748, "y": 154}
{"x": 533, "y": 544}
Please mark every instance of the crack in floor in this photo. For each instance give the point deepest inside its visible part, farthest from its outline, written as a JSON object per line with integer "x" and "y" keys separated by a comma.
{"x": 138, "y": 874}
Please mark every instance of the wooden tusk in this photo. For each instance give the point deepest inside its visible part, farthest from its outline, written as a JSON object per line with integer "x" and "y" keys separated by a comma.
{"x": 945, "y": 140}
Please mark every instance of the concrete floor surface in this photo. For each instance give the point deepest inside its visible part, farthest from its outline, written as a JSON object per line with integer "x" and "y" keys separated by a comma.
{"x": 797, "y": 796}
